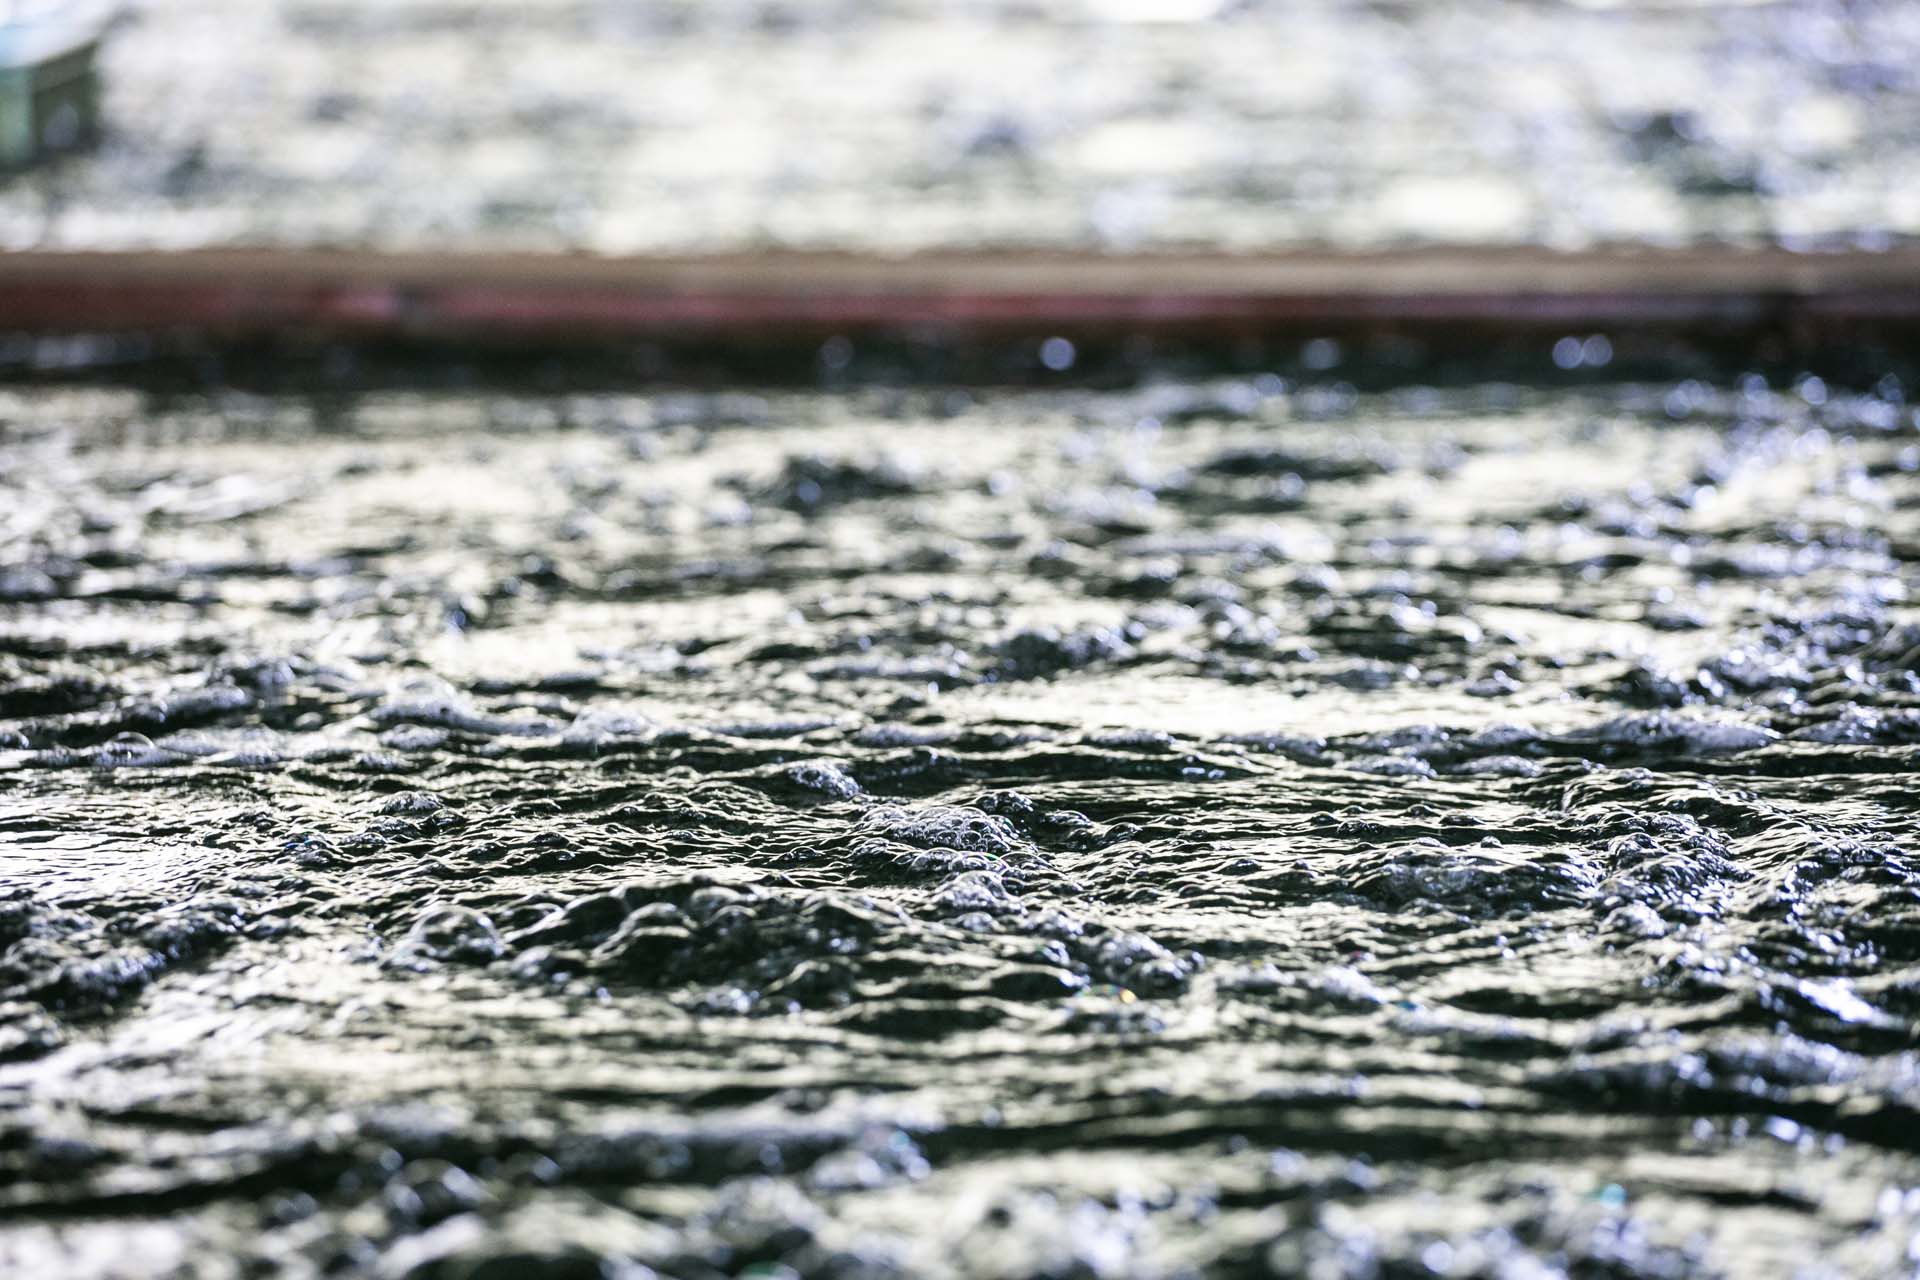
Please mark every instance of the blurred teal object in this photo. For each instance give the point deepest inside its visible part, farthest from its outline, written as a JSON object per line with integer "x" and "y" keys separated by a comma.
{"x": 49, "y": 90}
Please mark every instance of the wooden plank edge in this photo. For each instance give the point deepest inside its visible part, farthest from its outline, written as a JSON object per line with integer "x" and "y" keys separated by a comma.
{"x": 269, "y": 293}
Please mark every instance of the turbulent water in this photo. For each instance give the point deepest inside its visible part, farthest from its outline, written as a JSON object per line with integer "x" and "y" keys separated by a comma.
{"x": 1227, "y": 828}
{"x": 693, "y": 125}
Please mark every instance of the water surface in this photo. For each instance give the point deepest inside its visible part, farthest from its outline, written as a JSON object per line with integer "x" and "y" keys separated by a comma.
{"x": 694, "y": 125}
{"x": 1227, "y": 828}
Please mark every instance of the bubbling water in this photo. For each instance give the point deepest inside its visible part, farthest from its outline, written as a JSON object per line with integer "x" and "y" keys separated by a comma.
{"x": 1203, "y": 829}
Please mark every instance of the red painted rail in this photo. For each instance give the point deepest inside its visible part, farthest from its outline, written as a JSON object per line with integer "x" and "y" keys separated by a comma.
{"x": 276, "y": 293}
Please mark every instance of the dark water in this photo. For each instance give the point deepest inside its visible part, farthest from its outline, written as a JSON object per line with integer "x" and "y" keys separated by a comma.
{"x": 1223, "y": 829}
